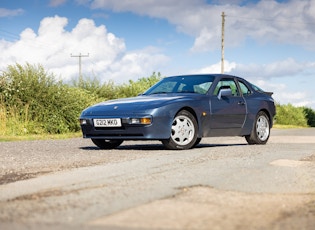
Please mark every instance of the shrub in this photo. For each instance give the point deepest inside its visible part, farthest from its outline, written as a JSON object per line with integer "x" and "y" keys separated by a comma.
{"x": 290, "y": 115}
{"x": 34, "y": 102}
{"x": 133, "y": 88}
{"x": 310, "y": 116}
{"x": 109, "y": 90}
{"x": 105, "y": 91}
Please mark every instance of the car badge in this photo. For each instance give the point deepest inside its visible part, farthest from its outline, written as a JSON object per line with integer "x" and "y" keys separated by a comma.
{"x": 115, "y": 107}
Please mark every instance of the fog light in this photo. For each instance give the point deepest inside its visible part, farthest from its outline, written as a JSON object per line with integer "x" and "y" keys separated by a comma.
{"x": 83, "y": 122}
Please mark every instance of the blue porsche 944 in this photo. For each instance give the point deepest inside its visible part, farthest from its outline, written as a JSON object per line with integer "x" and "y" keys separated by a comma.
{"x": 181, "y": 110}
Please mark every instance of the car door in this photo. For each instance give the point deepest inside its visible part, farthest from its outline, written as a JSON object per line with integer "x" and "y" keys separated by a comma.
{"x": 228, "y": 112}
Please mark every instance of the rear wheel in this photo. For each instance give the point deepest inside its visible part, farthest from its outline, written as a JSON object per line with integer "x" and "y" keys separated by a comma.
{"x": 107, "y": 144}
{"x": 261, "y": 130}
{"x": 183, "y": 132}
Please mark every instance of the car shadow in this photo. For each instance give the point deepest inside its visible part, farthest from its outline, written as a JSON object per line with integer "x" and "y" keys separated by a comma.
{"x": 218, "y": 145}
{"x": 145, "y": 147}
{"x": 129, "y": 147}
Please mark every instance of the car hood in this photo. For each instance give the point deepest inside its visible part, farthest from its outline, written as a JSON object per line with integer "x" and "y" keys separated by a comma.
{"x": 139, "y": 104}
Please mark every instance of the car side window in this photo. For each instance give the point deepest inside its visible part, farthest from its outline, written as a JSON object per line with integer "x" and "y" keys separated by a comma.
{"x": 245, "y": 90}
{"x": 226, "y": 83}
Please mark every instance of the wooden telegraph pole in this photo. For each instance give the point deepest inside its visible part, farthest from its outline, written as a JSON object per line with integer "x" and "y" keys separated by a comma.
{"x": 222, "y": 43}
{"x": 80, "y": 56}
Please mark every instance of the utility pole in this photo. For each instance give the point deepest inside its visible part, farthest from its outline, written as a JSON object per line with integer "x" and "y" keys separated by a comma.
{"x": 80, "y": 56}
{"x": 222, "y": 43}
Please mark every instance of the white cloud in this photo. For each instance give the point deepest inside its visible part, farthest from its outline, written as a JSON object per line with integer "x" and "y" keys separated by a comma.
{"x": 295, "y": 98}
{"x": 9, "y": 13}
{"x": 52, "y": 47}
{"x": 282, "y": 68}
{"x": 284, "y": 93}
{"x": 216, "y": 68}
{"x": 55, "y": 3}
{"x": 203, "y": 39}
{"x": 289, "y": 22}
{"x": 135, "y": 64}
{"x": 284, "y": 78}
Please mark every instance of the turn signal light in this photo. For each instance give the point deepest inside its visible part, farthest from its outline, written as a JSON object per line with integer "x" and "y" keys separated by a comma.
{"x": 143, "y": 120}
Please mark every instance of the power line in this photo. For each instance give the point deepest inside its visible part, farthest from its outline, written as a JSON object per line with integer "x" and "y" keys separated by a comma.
{"x": 6, "y": 33}
{"x": 272, "y": 20}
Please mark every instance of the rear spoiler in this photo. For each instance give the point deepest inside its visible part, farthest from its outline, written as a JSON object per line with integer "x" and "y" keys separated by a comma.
{"x": 268, "y": 93}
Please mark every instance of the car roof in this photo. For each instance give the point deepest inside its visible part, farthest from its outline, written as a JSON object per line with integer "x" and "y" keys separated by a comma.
{"x": 217, "y": 75}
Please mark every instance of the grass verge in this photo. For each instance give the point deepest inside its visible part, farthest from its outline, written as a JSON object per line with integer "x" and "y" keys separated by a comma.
{"x": 40, "y": 137}
{"x": 277, "y": 126}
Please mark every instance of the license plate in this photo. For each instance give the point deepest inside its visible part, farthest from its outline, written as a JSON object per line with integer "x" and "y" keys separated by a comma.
{"x": 113, "y": 122}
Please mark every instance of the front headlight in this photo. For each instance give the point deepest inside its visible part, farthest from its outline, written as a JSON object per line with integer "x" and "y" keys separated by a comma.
{"x": 141, "y": 120}
{"x": 83, "y": 121}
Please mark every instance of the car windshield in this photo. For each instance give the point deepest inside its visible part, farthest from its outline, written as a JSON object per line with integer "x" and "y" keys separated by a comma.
{"x": 182, "y": 84}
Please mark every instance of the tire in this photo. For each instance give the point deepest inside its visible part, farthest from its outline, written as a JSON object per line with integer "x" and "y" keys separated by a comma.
{"x": 197, "y": 141}
{"x": 183, "y": 132}
{"x": 107, "y": 144}
{"x": 261, "y": 130}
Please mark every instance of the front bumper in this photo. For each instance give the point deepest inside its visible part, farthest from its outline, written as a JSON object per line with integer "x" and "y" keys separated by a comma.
{"x": 159, "y": 129}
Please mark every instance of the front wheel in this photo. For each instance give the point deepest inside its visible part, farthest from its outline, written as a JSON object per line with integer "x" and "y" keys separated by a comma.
{"x": 183, "y": 132}
{"x": 261, "y": 130}
{"x": 107, "y": 144}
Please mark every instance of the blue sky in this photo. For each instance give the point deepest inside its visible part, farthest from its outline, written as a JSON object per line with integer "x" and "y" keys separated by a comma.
{"x": 268, "y": 42}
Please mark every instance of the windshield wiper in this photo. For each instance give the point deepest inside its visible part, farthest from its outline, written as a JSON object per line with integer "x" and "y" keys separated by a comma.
{"x": 158, "y": 93}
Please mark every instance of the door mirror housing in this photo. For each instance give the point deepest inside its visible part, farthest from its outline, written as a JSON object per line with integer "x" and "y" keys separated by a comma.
{"x": 225, "y": 92}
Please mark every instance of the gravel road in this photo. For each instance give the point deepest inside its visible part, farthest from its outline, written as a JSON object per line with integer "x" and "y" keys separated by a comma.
{"x": 221, "y": 184}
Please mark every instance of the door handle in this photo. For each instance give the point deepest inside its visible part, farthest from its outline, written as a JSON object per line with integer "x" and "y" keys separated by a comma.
{"x": 241, "y": 103}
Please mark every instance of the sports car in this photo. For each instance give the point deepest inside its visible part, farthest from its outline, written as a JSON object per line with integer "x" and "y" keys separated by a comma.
{"x": 181, "y": 110}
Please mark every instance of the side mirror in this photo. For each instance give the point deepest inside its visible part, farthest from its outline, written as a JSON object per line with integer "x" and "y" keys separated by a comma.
{"x": 224, "y": 93}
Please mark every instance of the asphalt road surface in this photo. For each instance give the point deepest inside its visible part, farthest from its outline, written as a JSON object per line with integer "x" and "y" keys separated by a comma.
{"x": 223, "y": 183}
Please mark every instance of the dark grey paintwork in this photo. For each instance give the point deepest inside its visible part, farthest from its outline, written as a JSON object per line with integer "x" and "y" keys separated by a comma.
{"x": 224, "y": 115}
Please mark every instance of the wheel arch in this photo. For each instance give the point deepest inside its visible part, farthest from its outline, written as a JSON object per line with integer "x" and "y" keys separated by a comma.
{"x": 182, "y": 136}
{"x": 269, "y": 116}
{"x": 193, "y": 112}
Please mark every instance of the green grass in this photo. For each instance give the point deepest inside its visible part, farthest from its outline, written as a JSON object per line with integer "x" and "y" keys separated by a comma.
{"x": 277, "y": 126}
{"x": 31, "y": 137}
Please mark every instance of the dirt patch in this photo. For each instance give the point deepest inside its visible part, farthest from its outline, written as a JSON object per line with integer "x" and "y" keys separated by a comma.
{"x": 309, "y": 158}
{"x": 54, "y": 193}
{"x": 15, "y": 176}
{"x": 209, "y": 208}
